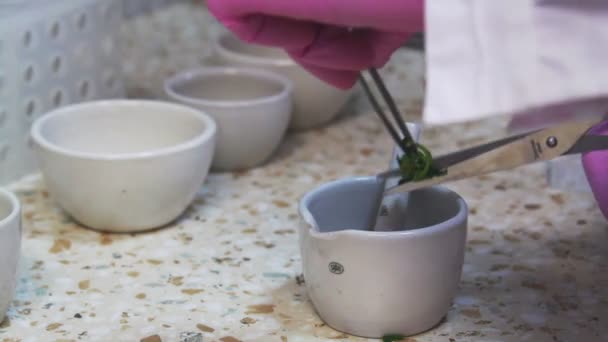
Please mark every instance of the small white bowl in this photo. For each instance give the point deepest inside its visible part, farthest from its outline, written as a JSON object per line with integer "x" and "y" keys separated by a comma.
{"x": 315, "y": 102}
{"x": 124, "y": 165}
{"x": 10, "y": 248}
{"x": 374, "y": 283}
{"x": 252, "y": 109}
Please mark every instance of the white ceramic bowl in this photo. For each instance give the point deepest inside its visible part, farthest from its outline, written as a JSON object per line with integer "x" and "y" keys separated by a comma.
{"x": 252, "y": 109}
{"x": 373, "y": 283}
{"x": 124, "y": 165}
{"x": 10, "y": 248}
{"x": 316, "y": 103}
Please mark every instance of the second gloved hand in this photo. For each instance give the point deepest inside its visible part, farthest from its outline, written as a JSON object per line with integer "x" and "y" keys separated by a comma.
{"x": 332, "y": 39}
{"x": 596, "y": 168}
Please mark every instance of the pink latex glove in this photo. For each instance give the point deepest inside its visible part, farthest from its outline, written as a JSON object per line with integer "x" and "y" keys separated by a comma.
{"x": 315, "y": 33}
{"x": 596, "y": 168}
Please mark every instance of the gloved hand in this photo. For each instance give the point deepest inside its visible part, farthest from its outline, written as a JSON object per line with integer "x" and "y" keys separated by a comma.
{"x": 317, "y": 35}
{"x": 596, "y": 168}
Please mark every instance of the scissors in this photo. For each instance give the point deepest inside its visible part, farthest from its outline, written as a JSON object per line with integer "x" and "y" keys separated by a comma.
{"x": 503, "y": 154}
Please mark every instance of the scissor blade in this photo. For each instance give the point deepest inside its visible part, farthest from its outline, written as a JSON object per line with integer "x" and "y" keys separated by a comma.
{"x": 542, "y": 145}
{"x": 449, "y": 159}
{"x": 589, "y": 143}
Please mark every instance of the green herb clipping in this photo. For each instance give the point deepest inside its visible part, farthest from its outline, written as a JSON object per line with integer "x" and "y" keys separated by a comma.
{"x": 392, "y": 338}
{"x": 417, "y": 166}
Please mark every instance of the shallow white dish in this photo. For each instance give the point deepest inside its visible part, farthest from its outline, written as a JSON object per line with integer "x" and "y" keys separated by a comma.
{"x": 124, "y": 165}
{"x": 10, "y": 248}
{"x": 252, "y": 109}
{"x": 375, "y": 283}
{"x": 316, "y": 103}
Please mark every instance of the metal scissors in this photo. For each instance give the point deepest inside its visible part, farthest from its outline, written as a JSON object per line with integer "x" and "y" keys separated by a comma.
{"x": 503, "y": 154}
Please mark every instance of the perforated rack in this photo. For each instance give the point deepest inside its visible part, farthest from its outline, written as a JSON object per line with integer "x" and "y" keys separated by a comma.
{"x": 52, "y": 53}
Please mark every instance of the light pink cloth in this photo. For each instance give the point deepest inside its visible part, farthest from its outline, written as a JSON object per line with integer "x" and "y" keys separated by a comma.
{"x": 489, "y": 58}
{"x": 544, "y": 60}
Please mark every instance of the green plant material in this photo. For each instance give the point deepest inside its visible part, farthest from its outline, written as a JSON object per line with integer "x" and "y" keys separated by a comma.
{"x": 417, "y": 166}
{"x": 392, "y": 338}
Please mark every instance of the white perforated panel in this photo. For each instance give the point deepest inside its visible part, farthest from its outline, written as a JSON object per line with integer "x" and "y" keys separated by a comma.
{"x": 57, "y": 53}
{"x": 137, "y": 7}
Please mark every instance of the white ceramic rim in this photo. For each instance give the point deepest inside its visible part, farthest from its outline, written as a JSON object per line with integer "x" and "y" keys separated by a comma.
{"x": 246, "y": 58}
{"x": 202, "y": 72}
{"x": 449, "y": 224}
{"x": 204, "y": 137}
{"x": 15, "y": 209}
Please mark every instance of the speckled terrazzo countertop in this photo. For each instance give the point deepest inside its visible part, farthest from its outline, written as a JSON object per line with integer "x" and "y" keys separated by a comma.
{"x": 535, "y": 270}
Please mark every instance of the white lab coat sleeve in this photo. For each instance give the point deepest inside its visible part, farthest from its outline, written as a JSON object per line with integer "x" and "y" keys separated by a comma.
{"x": 487, "y": 58}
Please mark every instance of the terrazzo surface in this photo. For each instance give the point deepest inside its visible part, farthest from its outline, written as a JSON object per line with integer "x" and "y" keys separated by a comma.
{"x": 535, "y": 268}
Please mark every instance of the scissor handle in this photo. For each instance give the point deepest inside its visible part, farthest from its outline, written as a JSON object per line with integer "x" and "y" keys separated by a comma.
{"x": 542, "y": 145}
